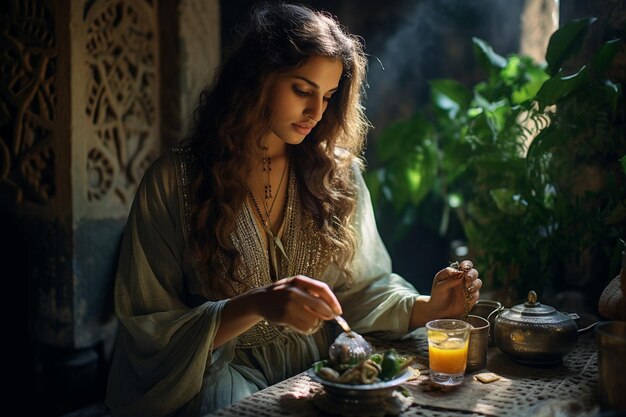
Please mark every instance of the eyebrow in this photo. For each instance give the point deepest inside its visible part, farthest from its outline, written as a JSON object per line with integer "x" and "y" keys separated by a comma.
{"x": 312, "y": 84}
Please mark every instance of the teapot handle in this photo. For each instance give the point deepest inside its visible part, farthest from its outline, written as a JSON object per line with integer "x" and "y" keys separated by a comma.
{"x": 586, "y": 329}
{"x": 497, "y": 310}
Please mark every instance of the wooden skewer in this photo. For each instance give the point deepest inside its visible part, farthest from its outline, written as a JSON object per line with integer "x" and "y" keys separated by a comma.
{"x": 343, "y": 324}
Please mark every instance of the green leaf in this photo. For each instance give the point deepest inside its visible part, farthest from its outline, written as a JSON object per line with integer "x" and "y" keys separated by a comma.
{"x": 622, "y": 160}
{"x": 509, "y": 202}
{"x": 401, "y": 137}
{"x": 487, "y": 58}
{"x": 618, "y": 214}
{"x": 394, "y": 187}
{"x": 420, "y": 178}
{"x": 604, "y": 57}
{"x": 511, "y": 72}
{"x": 539, "y": 158}
{"x": 450, "y": 96}
{"x": 533, "y": 71}
{"x": 376, "y": 358}
{"x": 613, "y": 92}
{"x": 319, "y": 365}
{"x": 526, "y": 92}
{"x": 566, "y": 42}
{"x": 373, "y": 180}
{"x": 419, "y": 172}
{"x": 558, "y": 87}
{"x": 498, "y": 115}
{"x": 474, "y": 237}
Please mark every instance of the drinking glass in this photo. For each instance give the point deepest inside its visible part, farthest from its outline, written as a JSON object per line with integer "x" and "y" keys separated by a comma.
{"x": 611, "y": 338}
{"x": 447, "y": 350}
{"x": 487, "y": 309}
{"x": 478, "y": 343}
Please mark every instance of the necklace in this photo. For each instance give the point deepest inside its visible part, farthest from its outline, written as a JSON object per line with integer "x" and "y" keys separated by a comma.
{"x": 267, "y": 168}
{"x": 274, "y": 243}
{"x": 274, "y": 240}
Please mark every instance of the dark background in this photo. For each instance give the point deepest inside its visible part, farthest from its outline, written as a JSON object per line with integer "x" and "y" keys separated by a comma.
{"x": 408, "y": 43}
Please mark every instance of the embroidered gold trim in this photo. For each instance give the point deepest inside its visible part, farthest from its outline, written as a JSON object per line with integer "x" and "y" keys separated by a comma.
{"x": 303, "y": 248}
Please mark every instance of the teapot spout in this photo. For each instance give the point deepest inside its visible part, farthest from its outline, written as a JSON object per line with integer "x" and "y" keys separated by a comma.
{"x": 588, "y": 328}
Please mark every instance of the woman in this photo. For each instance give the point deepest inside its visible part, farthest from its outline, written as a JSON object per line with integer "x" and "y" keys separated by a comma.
{"x": 243, "y": 241}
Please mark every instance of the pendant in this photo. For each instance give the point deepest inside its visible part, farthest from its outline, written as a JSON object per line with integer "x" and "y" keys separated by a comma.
{"x": 274, "y": 243}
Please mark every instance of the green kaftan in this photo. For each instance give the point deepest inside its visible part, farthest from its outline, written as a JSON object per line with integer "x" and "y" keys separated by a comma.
{"x": 164, "y": 361}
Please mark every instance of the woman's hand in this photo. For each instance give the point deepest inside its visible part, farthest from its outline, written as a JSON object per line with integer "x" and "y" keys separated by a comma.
{"x": 298, "y": 302}
{"x": 447, "y": 299}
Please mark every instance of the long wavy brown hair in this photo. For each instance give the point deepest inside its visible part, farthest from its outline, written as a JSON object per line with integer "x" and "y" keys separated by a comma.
{"x": 233, "y": 113}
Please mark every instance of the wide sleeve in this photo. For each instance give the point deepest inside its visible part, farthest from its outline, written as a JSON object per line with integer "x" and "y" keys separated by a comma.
{"x": 377, "y": 300}
{"x": 163, "y": 344}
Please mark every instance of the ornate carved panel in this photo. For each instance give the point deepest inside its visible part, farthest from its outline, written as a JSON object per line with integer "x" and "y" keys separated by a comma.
{"x": 122, "y": 93}
{"x": 28, "y": 102}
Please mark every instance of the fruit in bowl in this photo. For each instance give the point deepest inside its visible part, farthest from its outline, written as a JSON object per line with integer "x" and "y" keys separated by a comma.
{"x": 373, "y": 368}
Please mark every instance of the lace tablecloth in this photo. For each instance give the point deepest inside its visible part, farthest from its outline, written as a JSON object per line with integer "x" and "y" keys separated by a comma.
{"x": 569, "y": 389}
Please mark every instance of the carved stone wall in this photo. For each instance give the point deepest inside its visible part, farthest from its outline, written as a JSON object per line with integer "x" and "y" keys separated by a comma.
{"x": 35, "y": 157}
{"x": 81, "y": 90}
{"x": 115, "y": 103}
{"x": 29, "y": 107}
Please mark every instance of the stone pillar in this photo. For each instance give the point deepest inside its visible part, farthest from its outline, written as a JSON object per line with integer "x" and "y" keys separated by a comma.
{"x": 80, "y": 121}
{"x": 540, "y": 19}
{"x": 192, "y": 52}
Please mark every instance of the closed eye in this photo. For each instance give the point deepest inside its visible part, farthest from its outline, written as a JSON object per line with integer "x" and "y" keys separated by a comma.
{"x": 300, "y": 92}
{"x": 303, "y": 93}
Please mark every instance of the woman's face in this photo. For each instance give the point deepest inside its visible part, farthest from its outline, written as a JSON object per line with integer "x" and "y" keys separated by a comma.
{"x": 300, "y": 98}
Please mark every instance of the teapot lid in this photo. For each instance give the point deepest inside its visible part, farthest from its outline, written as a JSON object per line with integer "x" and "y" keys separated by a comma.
{"x": 533, "y": 307}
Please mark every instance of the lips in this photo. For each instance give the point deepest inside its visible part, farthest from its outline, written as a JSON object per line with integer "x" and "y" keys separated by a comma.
{"x": 303, "y": 129}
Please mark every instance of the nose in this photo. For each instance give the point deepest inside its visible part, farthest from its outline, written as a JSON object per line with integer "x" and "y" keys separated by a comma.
{"x": 315, "y": 108}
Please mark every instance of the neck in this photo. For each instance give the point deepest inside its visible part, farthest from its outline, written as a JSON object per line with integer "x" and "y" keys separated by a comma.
{"x": 276, "y": 147}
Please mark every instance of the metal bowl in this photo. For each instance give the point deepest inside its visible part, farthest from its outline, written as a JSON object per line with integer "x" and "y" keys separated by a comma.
{"x": 489, "y": 310}
{"x": 360, "y": 392}
{"x": 362, "y": 400}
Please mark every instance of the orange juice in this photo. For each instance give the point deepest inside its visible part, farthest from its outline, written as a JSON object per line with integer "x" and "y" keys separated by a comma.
{"x": 448, "y": 357}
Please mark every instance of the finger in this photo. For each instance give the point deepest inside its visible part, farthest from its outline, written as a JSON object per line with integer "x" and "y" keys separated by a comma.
{"x": 447, "y": 273}
{"x": 319, "y": 289}
{"x": 315, "y": 304}
{"x": 450, "y": 282}
{"x": 475, "y": 285}
{"x": 474, "y": 299}
{"x": 304, "y": 321}
{"x": 282, "y": 284}
{"x": 303, "y": 297}
{"x": 466, "y": 265}
{"x": 472, "y": 275}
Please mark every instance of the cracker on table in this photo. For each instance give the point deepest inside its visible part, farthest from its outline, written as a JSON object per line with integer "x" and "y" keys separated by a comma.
{"x": 415, "y": 373}
{"x": 487, "y": 377}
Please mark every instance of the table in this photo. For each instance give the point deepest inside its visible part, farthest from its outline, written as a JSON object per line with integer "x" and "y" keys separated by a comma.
{"x": 569, "y": 388}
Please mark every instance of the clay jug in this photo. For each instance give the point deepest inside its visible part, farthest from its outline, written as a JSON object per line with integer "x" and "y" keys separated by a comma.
{"x": 612, "y": 304}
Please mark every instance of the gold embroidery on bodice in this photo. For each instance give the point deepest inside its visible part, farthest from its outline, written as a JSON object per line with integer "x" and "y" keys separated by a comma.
{"x": 303, "y": 248}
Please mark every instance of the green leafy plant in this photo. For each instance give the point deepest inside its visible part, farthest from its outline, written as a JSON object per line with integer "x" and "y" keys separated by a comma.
{"x": 530, "y": 163}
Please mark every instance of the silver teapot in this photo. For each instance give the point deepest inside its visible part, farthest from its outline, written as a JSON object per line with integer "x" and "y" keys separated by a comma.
{"x": 536, "y": 334}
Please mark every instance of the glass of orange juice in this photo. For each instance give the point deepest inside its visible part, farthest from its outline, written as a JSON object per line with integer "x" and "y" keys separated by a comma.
{"x": 447, "y": 350}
